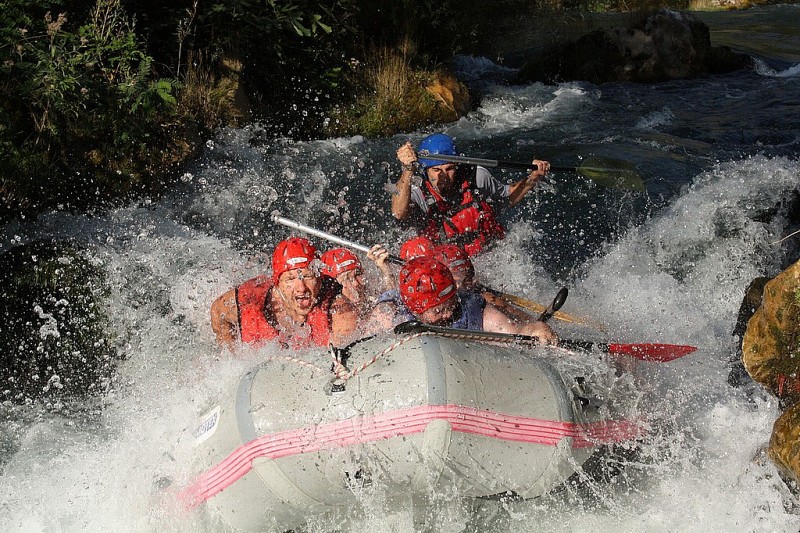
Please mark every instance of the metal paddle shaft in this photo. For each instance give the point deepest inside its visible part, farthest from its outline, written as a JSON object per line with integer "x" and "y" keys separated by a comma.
{"x": 606, "y": 172}
{"x": 489, "y": 162}
{"x": 657, "y": 353}
{"x": 327, "y": 236}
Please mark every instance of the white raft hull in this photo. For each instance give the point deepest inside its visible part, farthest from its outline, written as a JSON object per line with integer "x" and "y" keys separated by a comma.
{"x": 435, "y": 414}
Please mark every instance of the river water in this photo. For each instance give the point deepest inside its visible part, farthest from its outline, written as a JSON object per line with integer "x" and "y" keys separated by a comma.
{"x": 719, "y": 159}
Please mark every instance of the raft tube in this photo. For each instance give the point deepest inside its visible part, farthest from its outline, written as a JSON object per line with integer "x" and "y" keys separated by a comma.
{"x": 424, "y": 415}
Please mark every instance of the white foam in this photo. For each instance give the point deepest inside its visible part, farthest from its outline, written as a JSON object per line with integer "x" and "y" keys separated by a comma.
{"x": 678, "y": 278}
{"x": 765, "y": 70}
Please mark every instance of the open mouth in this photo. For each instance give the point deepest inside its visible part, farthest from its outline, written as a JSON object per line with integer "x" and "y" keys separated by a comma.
{"x": 304, "y": 301}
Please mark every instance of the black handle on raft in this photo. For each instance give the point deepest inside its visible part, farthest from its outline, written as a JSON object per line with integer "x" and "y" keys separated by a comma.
{"x": 558, "y": 301}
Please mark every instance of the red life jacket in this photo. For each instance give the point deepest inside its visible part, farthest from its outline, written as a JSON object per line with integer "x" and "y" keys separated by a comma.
{"x": 470, "y": 224}
{"x": 252, "y": 299}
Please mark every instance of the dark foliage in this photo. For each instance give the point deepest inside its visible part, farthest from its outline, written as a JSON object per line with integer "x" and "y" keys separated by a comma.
{"x": 81, "y": 111}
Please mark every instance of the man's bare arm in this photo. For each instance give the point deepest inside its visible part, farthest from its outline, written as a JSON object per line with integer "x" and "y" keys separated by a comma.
{"x": 401, "y": 198}
{"x": 497, "y": 321}
{"x": 522, "y": 187}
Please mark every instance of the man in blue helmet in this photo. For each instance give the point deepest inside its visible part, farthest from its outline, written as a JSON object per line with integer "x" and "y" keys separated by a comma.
{"x": 455, "y": 203}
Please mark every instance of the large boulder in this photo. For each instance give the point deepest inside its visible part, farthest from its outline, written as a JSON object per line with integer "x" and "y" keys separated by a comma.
{"x": 666, "y": 45}
{"x": 771, "y": 343}
{"x": 771, "y": 355}
{"x": 770, "y": 347}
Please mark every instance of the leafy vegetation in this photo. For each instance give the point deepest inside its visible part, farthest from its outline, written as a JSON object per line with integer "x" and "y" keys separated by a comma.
{"x": 101, "y": 99}
{"x": 80, "y": 104}
{"x": 390, "y": 96}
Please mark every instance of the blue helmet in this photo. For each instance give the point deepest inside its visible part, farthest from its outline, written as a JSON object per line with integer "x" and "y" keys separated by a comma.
{"x": 438, "y": 143}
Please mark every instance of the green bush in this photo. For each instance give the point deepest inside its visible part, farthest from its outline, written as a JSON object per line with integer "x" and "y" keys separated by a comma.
{"x": 292, "y": 52}
{"x": 81, "y": 104}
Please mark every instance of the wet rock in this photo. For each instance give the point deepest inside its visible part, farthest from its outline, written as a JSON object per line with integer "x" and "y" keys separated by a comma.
{"x": 784, "y": 445}
{"x": 54, "y": 343}
{"x": 449, "y": 93}
{"x": 771, "y": 355}
{"x": 771, "y": 343}
{"x": 666, "y": 45}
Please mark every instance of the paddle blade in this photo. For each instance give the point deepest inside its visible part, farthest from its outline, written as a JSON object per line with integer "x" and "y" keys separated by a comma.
{"x": 661, "y": 353}
{"x": 612, "y": 173}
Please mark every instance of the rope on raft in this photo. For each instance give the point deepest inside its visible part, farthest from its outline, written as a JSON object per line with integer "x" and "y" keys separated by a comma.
{"x": 342, "y": 372}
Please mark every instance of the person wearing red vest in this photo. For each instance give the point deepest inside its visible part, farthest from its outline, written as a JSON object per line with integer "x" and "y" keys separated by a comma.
{"x": 295, "y": 307}
{"x": 455, "y": 203}
{"x": 342, "y": 265}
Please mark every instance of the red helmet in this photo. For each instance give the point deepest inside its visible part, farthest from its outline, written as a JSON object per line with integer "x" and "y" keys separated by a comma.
{"x": 292, "y": 253}
{"x": 453, "y": 257}
{"x": 338, "y": 261}
{"x": 416, "y": 247}
{"x": 424, "y": 283}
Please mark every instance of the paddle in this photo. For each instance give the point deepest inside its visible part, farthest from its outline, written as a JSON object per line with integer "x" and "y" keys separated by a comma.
{"x": 327, "y": 236}
{"x": 539, "y": 308}
{"x": 659, "y": 353}
{"x": 605, "y": 171}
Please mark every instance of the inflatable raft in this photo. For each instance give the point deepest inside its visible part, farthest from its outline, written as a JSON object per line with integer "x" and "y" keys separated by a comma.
{"x": 416, "y": 415}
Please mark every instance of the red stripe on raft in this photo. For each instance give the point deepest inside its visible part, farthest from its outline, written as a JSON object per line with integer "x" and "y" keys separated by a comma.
{"x": 397, "y": 423}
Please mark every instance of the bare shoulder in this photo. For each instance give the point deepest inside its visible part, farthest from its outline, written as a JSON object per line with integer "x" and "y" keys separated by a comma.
{"x": 225, "y": 303}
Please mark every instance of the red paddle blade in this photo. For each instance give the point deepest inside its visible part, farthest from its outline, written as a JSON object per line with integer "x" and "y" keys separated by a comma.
{"x": 661, "y": 353}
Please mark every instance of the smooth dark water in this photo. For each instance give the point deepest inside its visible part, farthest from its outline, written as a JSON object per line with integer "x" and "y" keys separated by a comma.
{"x": 769, "y": 32}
